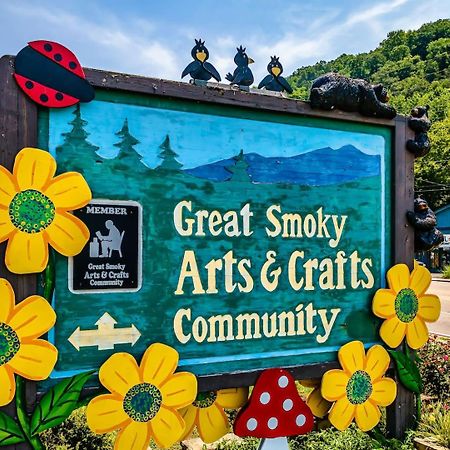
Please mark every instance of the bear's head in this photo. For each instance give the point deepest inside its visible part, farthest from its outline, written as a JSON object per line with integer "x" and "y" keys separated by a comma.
{"x": 381, "y": 93}
{"x": 420, "y": 205}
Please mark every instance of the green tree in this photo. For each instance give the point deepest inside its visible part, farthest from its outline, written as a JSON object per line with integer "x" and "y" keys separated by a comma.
{"x": 128, "y": 158}
{"x": 76, "y": 146}
{"x": 239, "y": 169}
{"x": 168, "y": 156}
{"x": 415, "y": 67}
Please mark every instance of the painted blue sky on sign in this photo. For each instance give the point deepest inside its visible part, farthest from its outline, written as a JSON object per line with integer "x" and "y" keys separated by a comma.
{"x": 202, "y": 138}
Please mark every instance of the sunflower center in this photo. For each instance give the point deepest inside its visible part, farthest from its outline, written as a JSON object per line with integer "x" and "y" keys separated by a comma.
{"x": 406, "y": 305}
{"x": 205, "y": 399}
{"x": 9, "y": 343}
{"x": 31, "y": 211}
{"x": 359, "y": 387}
{"x": 142, "y": 402}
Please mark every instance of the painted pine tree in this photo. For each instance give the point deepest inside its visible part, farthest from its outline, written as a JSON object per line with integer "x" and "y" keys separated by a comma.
{"x": 76, "y": 150}
{"x": 239, "y": 170}
{"x": 128, "y": 159}
{"x": 168, "y": 156}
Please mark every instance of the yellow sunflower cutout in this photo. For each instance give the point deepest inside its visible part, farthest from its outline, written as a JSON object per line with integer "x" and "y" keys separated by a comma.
{"x": 21, "y": 352}
{"x": 207, "y": 413}
{"x": 317, "y": 404}
{"x": 144, "y": 400}
{"x": 360, "y": 388}
{"x": 34, "y": 209}
{"x": 406, "y": 306}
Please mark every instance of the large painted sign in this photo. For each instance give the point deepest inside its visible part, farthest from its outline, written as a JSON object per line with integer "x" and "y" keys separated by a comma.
{"x": 264, "y": 235}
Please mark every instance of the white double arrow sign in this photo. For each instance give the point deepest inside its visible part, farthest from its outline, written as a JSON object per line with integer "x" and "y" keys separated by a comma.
{"x": 105, "y": 337}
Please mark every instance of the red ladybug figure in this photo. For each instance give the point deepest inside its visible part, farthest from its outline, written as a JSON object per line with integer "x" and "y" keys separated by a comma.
{"x": 51, "y": 75}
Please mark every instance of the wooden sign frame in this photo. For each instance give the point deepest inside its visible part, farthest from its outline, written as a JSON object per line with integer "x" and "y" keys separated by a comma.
{"x": 19, "y": 128}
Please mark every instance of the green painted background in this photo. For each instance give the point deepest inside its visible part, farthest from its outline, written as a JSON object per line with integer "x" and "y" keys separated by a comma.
{"x": 153, "y": 307}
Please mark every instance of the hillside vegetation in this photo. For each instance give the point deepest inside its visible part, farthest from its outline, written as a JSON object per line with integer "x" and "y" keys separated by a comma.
{"x": 415, "y": 67}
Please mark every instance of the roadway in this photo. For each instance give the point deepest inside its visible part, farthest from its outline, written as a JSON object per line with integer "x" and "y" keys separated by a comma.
{"x": 442, "y": 290}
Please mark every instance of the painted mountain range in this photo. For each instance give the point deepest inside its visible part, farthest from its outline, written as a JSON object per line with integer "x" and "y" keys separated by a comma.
{"x": 319, "y": 167}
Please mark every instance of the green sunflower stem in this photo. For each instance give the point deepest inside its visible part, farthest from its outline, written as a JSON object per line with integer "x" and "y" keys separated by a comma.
{"x": 48, "y": 277}
{"x": 419, "y": 408}
{"x": 22, "y": 415}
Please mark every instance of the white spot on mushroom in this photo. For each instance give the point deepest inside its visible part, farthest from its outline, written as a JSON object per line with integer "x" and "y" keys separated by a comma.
{"x": 283, "y": 381}
{"x": 252, "y": 424}
{"x": 288, "y": 404}
{"x": 264, "y": 398}
{"x": 272, "y": 423}
{"x": 300, "y": 420}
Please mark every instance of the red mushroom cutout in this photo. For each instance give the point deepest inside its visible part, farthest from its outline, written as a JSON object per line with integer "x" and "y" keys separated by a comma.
{"x": 275, "y": 410}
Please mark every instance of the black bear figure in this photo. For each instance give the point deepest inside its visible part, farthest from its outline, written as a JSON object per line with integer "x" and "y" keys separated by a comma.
{"x": 426, "y": 235}
{"x": 349, "y": 94}
{"x": 419, "y": 122}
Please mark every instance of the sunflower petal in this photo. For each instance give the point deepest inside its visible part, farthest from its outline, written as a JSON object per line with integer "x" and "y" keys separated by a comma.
{"x": 334, "y": 383}
{"x": 179, "y": 390}
{"x": 167, "y": 427}
{"x": 352, "y": 357}
{"x": 135, "y": 436}
{"x": 158, "y": 363}
{"x": 26, "y": 253}
{"x": 32, "y": 318}
{"x": 317, "y": 404}
{"x": 8, "y": 385}
{"x": 8, "y": 188}
{"x": 367, "y": 416}
{"x": 420, "y": 280}
{"x": 398, "y": 277}
{"x": 416, "y": 333}
{"x": 33, "y": 168}
{"x": 35, "y": 360}
{"x": 383, "y": 304}
{"x": 384, "y": 392}
{"x": 69, "y": 191}
{"x": 7, "y": 300}
{"x": 393, "y": 331}
{"x": 67, "y": 234}
{"x": 6, "y": 226}
{"x": 119, "y": 373}
{"x": 342, "y": 414}
{"x": 212, "y": 424}
{"x": 232, "y": 398}
{"x": 377, "y": 362}
{"x": 105, "y": 413}
{"x": 189, "y": 415}
{"x": 429, "y": 307}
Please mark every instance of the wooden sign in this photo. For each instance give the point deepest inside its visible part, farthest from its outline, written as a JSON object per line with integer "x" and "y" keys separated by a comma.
{"x": 265, "y": 235}
{"x": 266, "y": 227}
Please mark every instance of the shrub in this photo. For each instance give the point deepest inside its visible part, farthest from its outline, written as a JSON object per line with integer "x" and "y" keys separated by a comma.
{"x": 74, "y": 434}
{"x": 446, "y": 272}
{"x": 435, "y": 424}
{"x": 435, "y": 368}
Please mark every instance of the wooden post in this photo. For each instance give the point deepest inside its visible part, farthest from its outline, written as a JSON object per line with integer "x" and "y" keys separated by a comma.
{"x": 402, "y": 413}
{"x": 18, "y": 129}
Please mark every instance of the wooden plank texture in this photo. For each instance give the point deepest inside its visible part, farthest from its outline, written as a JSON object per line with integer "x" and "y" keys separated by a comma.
{"x": 18, "y": 129}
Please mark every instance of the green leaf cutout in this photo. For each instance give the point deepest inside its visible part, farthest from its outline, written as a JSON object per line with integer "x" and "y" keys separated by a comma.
{"x": 58, "y": 403}
{"x": 10, "y": 432}
{"x": 408, "y": 372}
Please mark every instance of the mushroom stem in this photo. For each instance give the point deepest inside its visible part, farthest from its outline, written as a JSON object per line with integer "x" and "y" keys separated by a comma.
{"x": 279, "y": 443}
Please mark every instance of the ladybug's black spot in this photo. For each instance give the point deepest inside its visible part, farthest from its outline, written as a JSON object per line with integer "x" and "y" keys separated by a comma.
{"x": 48, "y": 47}
{"x": 57, "y": 57}
{"x": 44, "y": 98}
{"x": 73, "y": 65}
{"x": 59, "y": 96}
{"x": 29, "y": 85}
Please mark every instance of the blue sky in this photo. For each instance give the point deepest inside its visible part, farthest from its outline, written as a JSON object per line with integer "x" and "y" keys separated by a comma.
{"x": 154, "y": 38}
